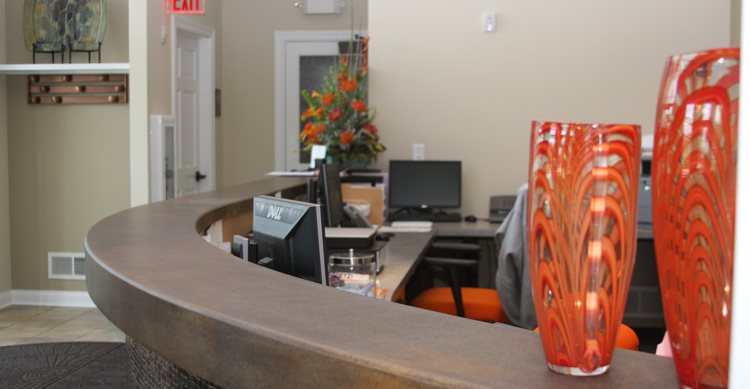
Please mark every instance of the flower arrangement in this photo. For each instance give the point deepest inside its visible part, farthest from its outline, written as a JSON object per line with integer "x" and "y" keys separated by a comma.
{"x": 338, "y": 116}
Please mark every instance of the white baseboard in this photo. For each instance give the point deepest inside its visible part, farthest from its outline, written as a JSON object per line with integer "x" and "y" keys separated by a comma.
{"x": 6, "y": 298}
{"x": 55, "y": 298}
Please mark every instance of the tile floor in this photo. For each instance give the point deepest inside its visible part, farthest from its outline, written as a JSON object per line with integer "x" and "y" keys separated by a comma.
{"x": 21, "y": 324}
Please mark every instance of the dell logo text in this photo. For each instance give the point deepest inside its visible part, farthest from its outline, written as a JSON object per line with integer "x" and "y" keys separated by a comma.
{"x": 274, "y": 213}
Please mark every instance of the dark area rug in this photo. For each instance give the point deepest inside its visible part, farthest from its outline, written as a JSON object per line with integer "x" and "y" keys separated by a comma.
{"x": 64, "y": 365}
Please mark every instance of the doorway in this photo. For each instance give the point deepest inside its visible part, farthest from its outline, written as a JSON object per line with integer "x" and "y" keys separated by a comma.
{"x": 303, "y": 59}
{"x": 193, "y": 83}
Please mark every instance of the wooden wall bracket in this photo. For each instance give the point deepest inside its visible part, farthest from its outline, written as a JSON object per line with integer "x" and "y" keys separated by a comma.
{"x": 78, "y": 89}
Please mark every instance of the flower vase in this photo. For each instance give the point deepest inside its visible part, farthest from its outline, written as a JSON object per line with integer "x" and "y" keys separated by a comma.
{"x": 361, "y": 162}
{"x": 582, "y": 209}
{"x": 694, "y": 175}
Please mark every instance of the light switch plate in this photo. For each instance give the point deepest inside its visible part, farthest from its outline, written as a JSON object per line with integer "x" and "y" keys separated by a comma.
{"x": 489, "y": 21}
{"x": 417, "y": 151}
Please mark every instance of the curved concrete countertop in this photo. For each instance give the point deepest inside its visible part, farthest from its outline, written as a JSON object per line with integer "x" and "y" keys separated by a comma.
{"x": 239, "y": 325}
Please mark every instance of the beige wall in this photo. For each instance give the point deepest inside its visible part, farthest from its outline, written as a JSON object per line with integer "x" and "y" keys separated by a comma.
{"x": 736, "y": 22}
{"x": 159, "y": 60}
{"x": 138, "y": 38}
{"x": 68, "y": 165}
{"x": 5, "y": 269}
{"x": 246, "y": 148}
{"x": 470, "y": 96}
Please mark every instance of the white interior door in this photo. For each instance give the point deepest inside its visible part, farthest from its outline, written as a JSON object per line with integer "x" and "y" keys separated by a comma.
{"x": 303, "y": 58}
{"x": 187, "y": 115}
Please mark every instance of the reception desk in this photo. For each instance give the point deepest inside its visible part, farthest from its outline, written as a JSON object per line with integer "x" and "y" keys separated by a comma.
{"x": 193, "y": 313}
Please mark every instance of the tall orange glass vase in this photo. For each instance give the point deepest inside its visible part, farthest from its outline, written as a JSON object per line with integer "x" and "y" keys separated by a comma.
{"x": 695, "y": 154}
{"x": 583, "y": 196}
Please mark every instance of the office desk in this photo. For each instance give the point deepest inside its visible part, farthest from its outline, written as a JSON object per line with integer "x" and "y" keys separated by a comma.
{"x": 402, "y": 254}
{"x": 483, "y": 233}
{"x": 404, "y": 250}
{"x": 191, "y": 311}
{"x": 478, "y": 229}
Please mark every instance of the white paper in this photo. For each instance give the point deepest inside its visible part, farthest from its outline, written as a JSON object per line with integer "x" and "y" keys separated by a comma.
{"x": 317, "y": 152}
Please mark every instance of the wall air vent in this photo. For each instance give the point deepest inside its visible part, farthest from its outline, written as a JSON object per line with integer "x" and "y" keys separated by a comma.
{"x": 66, "y": 266}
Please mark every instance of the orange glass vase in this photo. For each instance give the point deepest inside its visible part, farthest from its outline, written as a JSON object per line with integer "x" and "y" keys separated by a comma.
{"x": 695, "y": 153}
{"x": 583, "y": 196}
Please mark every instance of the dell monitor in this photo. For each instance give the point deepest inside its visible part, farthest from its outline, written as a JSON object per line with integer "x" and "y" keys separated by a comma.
{"x": 330, "y": 188}
{"x": 289, "y": 235}
{"x": 424, "y": 184}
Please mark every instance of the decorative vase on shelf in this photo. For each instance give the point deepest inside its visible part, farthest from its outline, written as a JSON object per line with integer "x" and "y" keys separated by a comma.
{"x": 695, "y": 154}
{"x": 583, "y": 196}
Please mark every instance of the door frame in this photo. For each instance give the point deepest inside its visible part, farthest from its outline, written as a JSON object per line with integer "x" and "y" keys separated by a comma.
{"x": 207, "y": 75}
{"x": 281, "y": 40}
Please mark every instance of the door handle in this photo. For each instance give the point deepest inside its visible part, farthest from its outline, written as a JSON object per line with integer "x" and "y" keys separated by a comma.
{"x": 199, "y": 176}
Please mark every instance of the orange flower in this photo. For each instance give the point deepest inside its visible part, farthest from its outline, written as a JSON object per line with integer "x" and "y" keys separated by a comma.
{"x": 315, "y": 94}
{"x": 348, "y": 85}
{"x": 313, "y": 139}
{"x": 369, "y": 127}
{"x": 318, "y": 130}
{"x": 328, "y": 99}
{"x": 346, "y": 137}
{"x": 334, "y": 115}
{"x": 319, "y": 112}
{"x": 309, "y": 112}
{"x": 308, "y": 130}
{"x": 359, "y": 105}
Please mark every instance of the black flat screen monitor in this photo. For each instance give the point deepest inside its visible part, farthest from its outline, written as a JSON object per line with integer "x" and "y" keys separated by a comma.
{"x": 290, "y": 237}
{"x": 330, "y": 188}
{"x": 424, "y": 184}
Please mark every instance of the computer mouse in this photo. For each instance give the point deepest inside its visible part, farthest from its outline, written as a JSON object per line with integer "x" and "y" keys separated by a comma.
{"x": 471, "y": 218}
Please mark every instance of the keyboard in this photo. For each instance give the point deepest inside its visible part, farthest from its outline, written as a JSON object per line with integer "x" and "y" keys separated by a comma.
{"x": 433, "y": 217}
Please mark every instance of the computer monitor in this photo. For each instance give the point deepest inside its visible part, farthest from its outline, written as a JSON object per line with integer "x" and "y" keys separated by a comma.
{"x": 424, "y": 184}
{"x": 330, "y": 189}
{"x": 290, "y": 237}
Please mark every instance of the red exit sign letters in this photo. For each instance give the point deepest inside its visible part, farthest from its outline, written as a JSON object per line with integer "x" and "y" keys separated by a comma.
{"x": 189, "y": 7}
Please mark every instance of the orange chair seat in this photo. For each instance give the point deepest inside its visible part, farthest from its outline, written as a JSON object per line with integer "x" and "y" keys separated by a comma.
{"x": 626, "y": 338}
{"x": 479, "y": 303}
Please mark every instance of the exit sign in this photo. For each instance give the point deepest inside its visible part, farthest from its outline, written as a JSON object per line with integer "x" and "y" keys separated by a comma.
{"x": 189, "y": 7}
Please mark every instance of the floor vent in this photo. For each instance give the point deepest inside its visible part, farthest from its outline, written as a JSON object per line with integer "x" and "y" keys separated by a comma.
{"x": 66, "y": 266}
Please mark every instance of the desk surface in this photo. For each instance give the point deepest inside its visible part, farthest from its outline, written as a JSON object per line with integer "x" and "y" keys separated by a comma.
{"x": 239, "y": 325}
{"x": 401, "y": 259}
{"x": 478, "y": 229}
{"x": 404, "y": 249}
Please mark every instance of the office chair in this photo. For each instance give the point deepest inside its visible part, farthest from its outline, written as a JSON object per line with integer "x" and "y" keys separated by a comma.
{"x": 473, "y": 303}
{"x": 626, "y": 338}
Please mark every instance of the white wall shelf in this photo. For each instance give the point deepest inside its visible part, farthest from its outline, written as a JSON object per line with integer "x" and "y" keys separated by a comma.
{"x": 65, "y": 68}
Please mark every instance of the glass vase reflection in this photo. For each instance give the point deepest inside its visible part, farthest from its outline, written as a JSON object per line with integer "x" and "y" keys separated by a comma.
{"x": 583, "y": 196}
